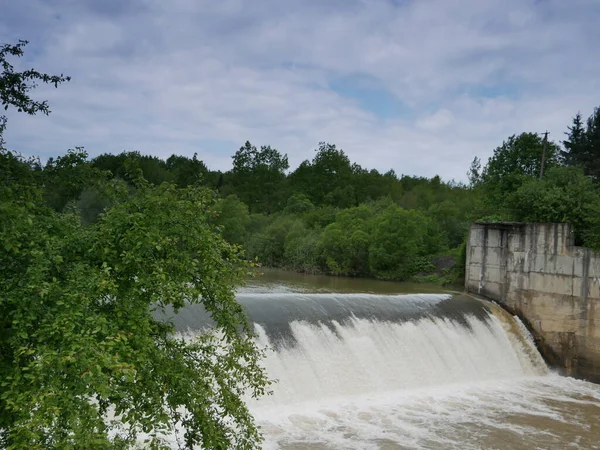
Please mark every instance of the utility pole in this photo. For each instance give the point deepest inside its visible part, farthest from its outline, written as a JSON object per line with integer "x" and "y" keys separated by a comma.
{"x": 545, "y": 147}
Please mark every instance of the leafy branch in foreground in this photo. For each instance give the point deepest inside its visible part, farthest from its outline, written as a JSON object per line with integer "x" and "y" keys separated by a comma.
{"x": 79, "y": 342}
{"x": 14, "y": 86}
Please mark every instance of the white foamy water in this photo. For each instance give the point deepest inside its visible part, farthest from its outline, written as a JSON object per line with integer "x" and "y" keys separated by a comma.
{"x": 368, "y": 356}
{"x": 548, "y": 412}
{"x": 432, "y": 383}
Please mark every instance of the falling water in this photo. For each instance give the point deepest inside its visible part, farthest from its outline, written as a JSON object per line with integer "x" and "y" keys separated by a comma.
{"x": 364, "y": 371}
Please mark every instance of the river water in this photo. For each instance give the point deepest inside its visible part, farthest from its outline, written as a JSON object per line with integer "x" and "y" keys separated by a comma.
{"x": 362, "y": 364}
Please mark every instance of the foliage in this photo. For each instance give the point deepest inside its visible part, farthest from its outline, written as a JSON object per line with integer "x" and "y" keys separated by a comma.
{"x": 515, "y": 161}
{"x": 564, "y": 195}
{"x": 232, "y": 217}
{"x": 154, "y": 169}
{"x": 186, "y": 171}
{"x": 301, "y": 248}
{"x": 258, "y": 177}
{"x": 15, "y": 86}
{"x": 330, "y": 171}
{"x": 399, "y": 242}
{"x": 582, "y": 148}
{"x": 79, "y": 338}
{"x": 66, "y": 177}
{"x": 323, "y": 216}
{"x": 344, "y": 244}
{"x": 377, "y": 239}
{"x": 297, "y": 204}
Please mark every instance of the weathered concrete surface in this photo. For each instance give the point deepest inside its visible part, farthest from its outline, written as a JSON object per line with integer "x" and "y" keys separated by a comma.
{"x": 534, "y": 271}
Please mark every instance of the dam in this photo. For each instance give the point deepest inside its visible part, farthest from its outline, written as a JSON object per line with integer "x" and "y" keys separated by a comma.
{"x": 362, "y": 370}
{"x": 535, "y": 271}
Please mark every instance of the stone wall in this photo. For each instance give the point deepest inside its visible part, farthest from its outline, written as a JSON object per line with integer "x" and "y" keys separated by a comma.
{"x": 536, "y": 272}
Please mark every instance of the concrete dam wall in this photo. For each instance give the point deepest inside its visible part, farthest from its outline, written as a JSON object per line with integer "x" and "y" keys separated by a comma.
{"x": 536, "y": 272}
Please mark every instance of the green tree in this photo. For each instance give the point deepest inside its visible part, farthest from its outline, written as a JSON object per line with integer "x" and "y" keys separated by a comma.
{"x": 301, "y": 247}
{"x": 573, "y": 154}
{"x": 370, "y": 184}
{"x": 66, "y": 177}
{"x": 273, "y": 242}
{"x": 419, "y": 193}
{"x": 514, "y": 162}
{"x": 345, "y": 243}
{"x": 591, "y": 162}
{"x": 258, "y": 177}
{"x": 319, "y": 218}
{"x": 564, "y": 195}
{"x": 154, "y": 169}
{"x": 451, "y": 222}
{"x": 341, "y": 197}
{"x": 232, "y": 217}
{"x": 582, "y": 147}
{"x": 474, "y": 172}
{"x": 78, "y": 337}
{"x": 330, "y": 170}
{"x": 297, "y": 204}
{"x": 186, "y": 171}
{"x": 398, "y": 241}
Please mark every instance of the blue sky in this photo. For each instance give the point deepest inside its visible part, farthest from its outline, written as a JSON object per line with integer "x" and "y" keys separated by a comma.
{"x": 420, "y": 86}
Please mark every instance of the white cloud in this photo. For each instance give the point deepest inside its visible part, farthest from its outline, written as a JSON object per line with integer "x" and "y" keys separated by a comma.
{"x": 166, "y": 77}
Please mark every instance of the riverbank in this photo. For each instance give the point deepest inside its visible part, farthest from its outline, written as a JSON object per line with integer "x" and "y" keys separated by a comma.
{"x": 447, "y": 274}
{"x": 291, "y": 279}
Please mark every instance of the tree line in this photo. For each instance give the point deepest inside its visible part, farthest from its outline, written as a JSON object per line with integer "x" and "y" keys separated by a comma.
{"x": 331, "y": 215}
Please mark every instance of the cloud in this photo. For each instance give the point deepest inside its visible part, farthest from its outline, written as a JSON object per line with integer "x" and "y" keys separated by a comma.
{"x": 418, "y": 86}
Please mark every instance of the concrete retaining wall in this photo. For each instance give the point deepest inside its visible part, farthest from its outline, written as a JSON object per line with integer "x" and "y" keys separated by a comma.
{"x": 534, "y": 271}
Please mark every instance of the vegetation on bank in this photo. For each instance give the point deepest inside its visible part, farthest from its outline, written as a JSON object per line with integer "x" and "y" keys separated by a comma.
{"x": 332, "y": 216}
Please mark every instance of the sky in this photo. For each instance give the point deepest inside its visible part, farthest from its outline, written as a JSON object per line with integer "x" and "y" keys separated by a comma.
{"x": 418, "y": 86}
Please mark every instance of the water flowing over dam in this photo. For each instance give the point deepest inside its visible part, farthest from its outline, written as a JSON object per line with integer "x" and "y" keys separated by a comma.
{"x": 361, "y": 371}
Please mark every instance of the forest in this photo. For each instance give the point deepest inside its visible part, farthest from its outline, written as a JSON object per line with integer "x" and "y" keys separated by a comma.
{"x": 332, "y": 216}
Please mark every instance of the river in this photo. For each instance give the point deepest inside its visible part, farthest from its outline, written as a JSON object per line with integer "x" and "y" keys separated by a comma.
{"x": 362, "y": 364}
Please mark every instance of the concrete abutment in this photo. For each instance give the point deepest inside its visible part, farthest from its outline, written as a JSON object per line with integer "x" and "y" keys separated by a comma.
{"x": 534, "y": 271}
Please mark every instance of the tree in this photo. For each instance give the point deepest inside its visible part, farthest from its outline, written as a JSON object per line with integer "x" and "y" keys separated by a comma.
{"x": 399, "y": 239}
{"x": 341, "y": 197}
{"x": 259, "y": 177}
{"x": 15, "y": 86}
{"x": 573, "y": 154}
{"x": 474, "y": 172}
{"x": 66, "y": 177}
{"x": 515, "y": 161}
{"x": 591, "y": 163}
{"x": 232, "y": 218}
{"x": 520, "y": 155}
{"x": 564, "y": 195}
{"x": 329, "y": 170}
{"x": 186, "y": 171}
{"x": 345, "y": 243}
{"x": 154, "y": 169}
{"x": 297, "y": 204}
{"x": 582, "y": 147}
{"x": 301, "y": 247}
{"x": 79, "y": 334}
